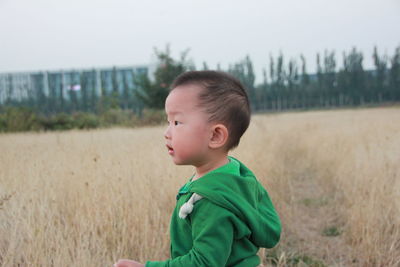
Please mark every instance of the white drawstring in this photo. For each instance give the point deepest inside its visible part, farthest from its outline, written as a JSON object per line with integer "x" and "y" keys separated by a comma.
{"x": 187, "y": 208}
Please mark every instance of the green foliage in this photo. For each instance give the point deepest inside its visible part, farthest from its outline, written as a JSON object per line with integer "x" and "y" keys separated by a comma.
{"x": 394, "y": 76}
{"x": 277, "y": 257}
{"x": 153, "y": 117}
{"x": 331, "y": 231}
{"x": 305, "y": 78}
{"x": 153, "y": 95}
{"x": 273, "y": 255}
{"x": 305, "y": 260}
{"x": 154, "y": 92}
{"x": 18, "y": 119}
{"x": 314, "y": 202}
{"x": 118, "y": 117}
{"x": 3, "y": 123}
{"x": 244, "y": 71}
{"x": 85, "y": 120}
{"x": 130, "y": 119}
{"x": 61, "y": 121}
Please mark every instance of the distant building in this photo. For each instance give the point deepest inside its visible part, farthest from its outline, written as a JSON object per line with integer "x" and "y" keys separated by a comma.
{"x": 24, "y": 86}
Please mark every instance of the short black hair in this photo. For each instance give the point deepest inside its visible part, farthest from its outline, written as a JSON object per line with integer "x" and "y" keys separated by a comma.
{"x": 224, "y": 99}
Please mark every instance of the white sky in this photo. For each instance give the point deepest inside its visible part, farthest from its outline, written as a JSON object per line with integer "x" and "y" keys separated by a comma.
{"x": 55, "y": 34}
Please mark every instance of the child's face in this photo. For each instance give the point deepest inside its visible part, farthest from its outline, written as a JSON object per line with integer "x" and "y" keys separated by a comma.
{"x": 188, "y": 133}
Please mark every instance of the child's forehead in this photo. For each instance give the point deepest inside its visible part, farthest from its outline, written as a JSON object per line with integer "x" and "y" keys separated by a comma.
{"x": 183, "y": 95}
{"x": 182, "y": 101}
{"x": 191, "y": 88}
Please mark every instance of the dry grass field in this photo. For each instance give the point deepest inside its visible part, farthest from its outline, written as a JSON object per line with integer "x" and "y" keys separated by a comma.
{"x": 88, "y": 198}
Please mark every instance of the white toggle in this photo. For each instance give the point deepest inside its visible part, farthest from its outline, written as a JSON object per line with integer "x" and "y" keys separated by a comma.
{"x": 187, "y": 208}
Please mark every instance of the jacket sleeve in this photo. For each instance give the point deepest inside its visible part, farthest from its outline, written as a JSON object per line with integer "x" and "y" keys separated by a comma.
{"x": 212, "y": 233}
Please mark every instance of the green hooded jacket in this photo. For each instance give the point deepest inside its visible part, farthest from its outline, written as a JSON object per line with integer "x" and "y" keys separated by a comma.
{"x": 227, "y": 226}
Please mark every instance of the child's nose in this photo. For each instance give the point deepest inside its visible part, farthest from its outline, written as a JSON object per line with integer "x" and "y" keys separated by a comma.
{"x": 167, "y": 133}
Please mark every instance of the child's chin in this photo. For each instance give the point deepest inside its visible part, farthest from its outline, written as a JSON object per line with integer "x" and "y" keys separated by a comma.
{"x": 179, "y": 162}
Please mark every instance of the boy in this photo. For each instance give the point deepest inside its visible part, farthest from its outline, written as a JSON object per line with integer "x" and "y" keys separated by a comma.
{"x": 223, "y": 215}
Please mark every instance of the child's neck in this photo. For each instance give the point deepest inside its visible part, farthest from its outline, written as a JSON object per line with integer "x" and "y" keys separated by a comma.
{"x": 210, "y": 166}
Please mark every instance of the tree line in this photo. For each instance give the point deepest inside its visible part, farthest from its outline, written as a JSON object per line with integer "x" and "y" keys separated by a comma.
{"x": 290, "y": 86}
{"x": 286, "y": 84}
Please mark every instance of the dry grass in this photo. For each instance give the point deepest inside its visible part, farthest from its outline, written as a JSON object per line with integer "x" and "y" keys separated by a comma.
{"x": 89, "y": 198}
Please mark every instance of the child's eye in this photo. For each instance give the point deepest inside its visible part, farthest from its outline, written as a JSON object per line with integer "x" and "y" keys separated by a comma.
{"x": 176, "y": 123}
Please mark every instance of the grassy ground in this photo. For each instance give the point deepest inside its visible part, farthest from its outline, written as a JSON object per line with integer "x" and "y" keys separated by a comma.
{"x": 87, "y": 198}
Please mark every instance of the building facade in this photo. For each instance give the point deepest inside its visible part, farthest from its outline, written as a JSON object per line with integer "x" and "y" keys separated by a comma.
{"x": 68, "y": 85}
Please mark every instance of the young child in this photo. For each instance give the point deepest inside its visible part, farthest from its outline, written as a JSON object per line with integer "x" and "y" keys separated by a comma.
{"x": 223, "y": 215}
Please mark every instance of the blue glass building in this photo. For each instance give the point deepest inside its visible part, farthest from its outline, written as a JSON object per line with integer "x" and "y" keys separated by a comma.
{"x": 68, "y": 85}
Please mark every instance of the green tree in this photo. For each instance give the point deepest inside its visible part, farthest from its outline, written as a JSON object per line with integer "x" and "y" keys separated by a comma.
{"x": 153, "y": 92}
{"x": 244, "y": 71}
{"x": 320, "y": 73}
{"x": 272, "y": 69}
{"x": 280, "y": 72}
{"x": 292, "y": 75}
{"x": 329, "y": 77}
{"x": 305, "y": 78}
{"x": 292, "y": 81}
{"x": 262, "y": 92}
{"x": 394, "y": 78}
{"x": 304, "y": 82}
{"x": 329, "y": 70}
{"x": 351, "y": 78}
{"x": 379, "y": 82}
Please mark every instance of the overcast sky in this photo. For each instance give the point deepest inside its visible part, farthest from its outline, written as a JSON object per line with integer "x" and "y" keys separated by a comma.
{"x": 55, "y": 34}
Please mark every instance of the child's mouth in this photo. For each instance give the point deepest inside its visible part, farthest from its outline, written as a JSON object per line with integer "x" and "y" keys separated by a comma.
{"x": 170, "y": 149}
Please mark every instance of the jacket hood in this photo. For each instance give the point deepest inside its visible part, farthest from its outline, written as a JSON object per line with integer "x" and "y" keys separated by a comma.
{"x": 234, "y": 187}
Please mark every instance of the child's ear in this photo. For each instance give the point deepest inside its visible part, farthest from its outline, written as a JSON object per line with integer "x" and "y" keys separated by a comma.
{"x": 219, "y": 136}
